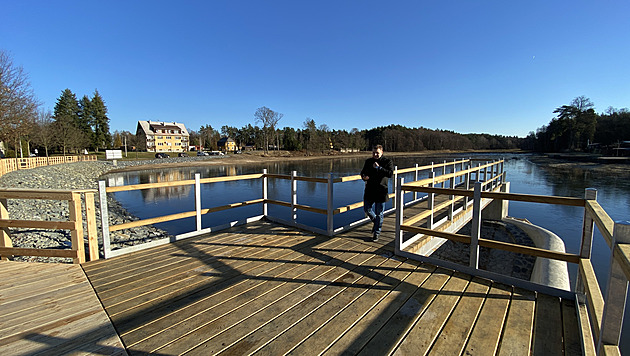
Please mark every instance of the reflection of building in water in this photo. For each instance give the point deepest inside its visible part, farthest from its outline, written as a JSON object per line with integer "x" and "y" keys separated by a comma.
{"x": 165, "y": 193}
{"x": 115, "y": 181}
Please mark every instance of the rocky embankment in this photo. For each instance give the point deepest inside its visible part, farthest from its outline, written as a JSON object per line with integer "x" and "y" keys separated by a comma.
{"x": 79, "y": 175}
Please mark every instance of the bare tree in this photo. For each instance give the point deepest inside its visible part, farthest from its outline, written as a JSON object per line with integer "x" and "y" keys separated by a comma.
{"x": 44, "y": 135}
{"x": 269, "y": 119}
{"x": 18, "y": 105}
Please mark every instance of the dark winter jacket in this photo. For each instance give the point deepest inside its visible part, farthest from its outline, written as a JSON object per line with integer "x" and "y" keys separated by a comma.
{"x": 376, "y": 186}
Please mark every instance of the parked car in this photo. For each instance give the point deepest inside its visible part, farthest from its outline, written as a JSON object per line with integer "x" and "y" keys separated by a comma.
{"x": 202, "y": 153}
{"x": 161, "y": 155}
{"x": 182, "y": 154}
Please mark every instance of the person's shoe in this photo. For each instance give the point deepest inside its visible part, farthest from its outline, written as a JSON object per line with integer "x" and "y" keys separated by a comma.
{"x": 374, "y": 237}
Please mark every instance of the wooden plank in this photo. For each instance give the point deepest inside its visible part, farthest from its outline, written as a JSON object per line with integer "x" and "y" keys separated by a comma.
{"x": 604, "y": 223}
{"x": 367, "y": 275}
{"x": 588, "y": 344}
{"x": 199, "y": 293}
{"x": 43, "y": 194}
{"x": 486, "y": 334}
{"x": 20, "y": 291}
{"x": 90, "y": 217}
{"x": 533, "y": 198}
{"x": 428, "y": 327}
{"x": 392, "y": 274}
{"x": 41, "y": 224}
{"x": 5, "y": 236}
{"x": 151, "y": 221}
{"x": 570, "y": 327}
{"x": 76, "y": 234}
{"x": 593, "y": 294}
{"x": 125, "y": 188}
{"x": 92, "y": 334}
{"x": 547, "y": 332}
{"x": 185, "y": 254}
{"x": 121, "y": 264}
{"x": 131, "y": 302}
{"x": 191, "y": 273}
{"x": 369, "y": 324}
{"x": 453, "y": 337}
{"x": 265, "y": 334}
{"x": 621, "y": 254}
{"x": 532, "y": 251}
{"x": 519, "y": 324}
{"x": 228, "y": 295}
{"x": 233, "y": 326}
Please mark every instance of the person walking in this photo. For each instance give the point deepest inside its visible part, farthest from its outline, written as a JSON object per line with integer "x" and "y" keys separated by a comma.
{"x": 376, "y": 172}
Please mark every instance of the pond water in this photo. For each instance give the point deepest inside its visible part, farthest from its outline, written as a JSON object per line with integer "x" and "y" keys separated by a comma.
{"x": 525, "y": 177}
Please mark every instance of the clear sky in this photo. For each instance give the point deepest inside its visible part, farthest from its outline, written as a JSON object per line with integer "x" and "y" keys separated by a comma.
{"x": 498, "y": 67}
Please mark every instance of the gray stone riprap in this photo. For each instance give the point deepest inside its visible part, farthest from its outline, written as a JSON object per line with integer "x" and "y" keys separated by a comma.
{"x": 503, "y": 262}
{"x": 79, "y": 175}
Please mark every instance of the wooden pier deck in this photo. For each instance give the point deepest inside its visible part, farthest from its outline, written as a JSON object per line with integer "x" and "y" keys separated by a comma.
{"x": 51, "y": 309}
{"x": 269, "y": 289}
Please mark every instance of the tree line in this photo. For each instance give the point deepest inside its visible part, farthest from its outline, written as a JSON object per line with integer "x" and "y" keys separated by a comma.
{"x": 577, "y": 127}
{"x": 74, "y": 126}
{"x": 77, "y": 125}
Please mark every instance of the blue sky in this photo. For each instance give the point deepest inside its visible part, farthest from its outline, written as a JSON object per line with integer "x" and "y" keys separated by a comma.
{"x": 498, "y": 67}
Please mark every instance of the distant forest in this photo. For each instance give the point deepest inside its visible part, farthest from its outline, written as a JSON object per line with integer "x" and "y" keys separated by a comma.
{"x": 577, "y": 127}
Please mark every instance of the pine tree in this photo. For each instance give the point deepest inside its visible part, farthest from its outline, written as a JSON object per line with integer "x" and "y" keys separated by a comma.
{"x": 67, "y": 108}
{"x": 66, "y": 116}
{"x": 102, "y": 137}
{"x": 85, "y": 119}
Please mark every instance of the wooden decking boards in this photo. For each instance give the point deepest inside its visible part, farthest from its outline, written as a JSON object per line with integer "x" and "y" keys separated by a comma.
{"x": 51, "y": 309}
{"x": 267, "y": 289}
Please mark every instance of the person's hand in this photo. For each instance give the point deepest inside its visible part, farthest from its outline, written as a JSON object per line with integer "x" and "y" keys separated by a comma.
{"x": 375, "y": 165}
{"x": 364, "y": 177}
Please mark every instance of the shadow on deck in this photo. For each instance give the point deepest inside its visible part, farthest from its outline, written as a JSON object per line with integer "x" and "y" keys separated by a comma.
{"x": 271, "y": 289}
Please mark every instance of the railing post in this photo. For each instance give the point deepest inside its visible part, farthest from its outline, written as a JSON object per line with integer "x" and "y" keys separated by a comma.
{"x": 76, "y": 234}
{"x": 264, "y": 191}
{"x": 5, "y": 238}
{"x": 467, "y": 178}
{"x": 90, "y": 218}
{"x": 102, "y": 197}
{"x": 293, "y": 196}
{"x": 398, "y": 236}
{"x": 198, "y": 200}
{"x": 616, "y": 293}
{"x": 443, "y": 173}
{"x": 451, "y": 209}
{"x": 395, "y": 182}
{"x": 476, "y": 227}
{"x": 431, "y": 201}
{"x": 415, "y": 194}
{"x": 587, "y": 237}
{"x": 329, "y": 207}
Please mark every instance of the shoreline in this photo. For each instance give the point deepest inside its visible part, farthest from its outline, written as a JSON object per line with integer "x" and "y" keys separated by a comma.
{"x": 85, "y": 175}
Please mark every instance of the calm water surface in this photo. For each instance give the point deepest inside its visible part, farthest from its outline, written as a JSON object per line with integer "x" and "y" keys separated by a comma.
{"x": 525, "y": 177}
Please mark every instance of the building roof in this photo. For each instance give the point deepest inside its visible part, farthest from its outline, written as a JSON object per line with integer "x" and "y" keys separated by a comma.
{"x": 223, "y": 140}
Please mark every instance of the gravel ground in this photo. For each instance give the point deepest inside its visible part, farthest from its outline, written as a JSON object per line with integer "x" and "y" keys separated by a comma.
{"x": 503, "y": 262}
{"x": 79, "y": 175}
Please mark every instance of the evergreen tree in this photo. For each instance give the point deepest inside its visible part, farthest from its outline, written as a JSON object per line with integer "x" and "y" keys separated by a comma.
{"x": 100, "y": 124}
{"x": 66, "y": 115}
{"x": 67, "y": 108}
{"x": 85, "y": 119}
